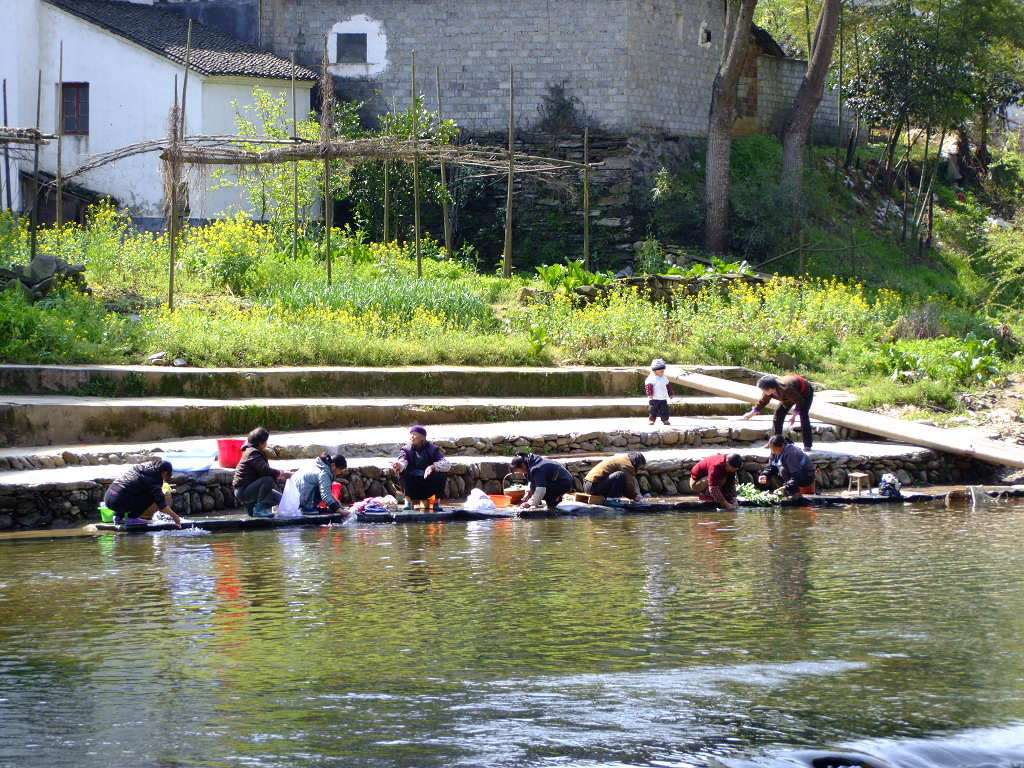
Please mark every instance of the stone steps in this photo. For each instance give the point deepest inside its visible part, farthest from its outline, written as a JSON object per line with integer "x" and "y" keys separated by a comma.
{"x": 41, "y": 420}
{"x": 27, "y": 420}
{"x": 564, "y": 436}
{"x": 245, "y": 383}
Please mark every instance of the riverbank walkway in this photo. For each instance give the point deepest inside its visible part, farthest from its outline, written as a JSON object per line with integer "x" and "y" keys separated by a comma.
{"x": 67, "y": 431}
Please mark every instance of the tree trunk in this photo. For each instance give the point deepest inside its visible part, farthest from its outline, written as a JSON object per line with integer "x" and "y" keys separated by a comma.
{"x": 798, "y": 124}
{"x": 738, "y": 17}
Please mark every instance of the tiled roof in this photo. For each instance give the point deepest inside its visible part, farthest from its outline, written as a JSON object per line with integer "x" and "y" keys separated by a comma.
{"x": 165, "y": 32}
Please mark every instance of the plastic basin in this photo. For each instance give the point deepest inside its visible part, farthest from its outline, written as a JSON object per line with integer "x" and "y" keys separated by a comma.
{"x": 499, "y": 499}
{"x": 106, "y": 514}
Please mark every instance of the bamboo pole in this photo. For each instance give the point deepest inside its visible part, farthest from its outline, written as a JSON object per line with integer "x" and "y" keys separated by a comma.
{"x": 172, "y": 223}
{"x": 35, "y": 171}
{"x": 506, "y": 269}
{"x": 59, "y": 218}
{"x": 184, "y": 85}
{"x": 295, "y": 172}
{"x": 416, "y": 169}
{"x": 444, "y": 179}
{"x": 586, "y": 198}
{"x": 325, "y": 136}
{"x": 387, "y": 200}
{"x": 7, "y": 157}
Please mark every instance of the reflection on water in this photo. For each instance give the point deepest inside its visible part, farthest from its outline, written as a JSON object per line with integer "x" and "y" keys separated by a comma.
{"x": 752, "y": 638}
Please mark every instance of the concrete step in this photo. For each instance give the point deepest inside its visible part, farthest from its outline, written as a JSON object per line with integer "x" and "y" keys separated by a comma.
{"x": 27, "y": 420}
{"x": 245, "y": 383}
{"x": 69, "y": 496}
{"x": 563, "y": 436}
{"x": 42, "y": 420}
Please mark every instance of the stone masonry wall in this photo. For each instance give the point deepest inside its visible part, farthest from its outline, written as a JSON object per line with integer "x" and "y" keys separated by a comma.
{"x": 582, "y": 42}
{"x": 672, "y": 65}
{"x": 68, "y": 504}
{"x": 778, "y": 82}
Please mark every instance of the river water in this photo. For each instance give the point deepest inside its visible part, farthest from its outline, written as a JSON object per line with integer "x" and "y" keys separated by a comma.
{"x": 762, "y": 637}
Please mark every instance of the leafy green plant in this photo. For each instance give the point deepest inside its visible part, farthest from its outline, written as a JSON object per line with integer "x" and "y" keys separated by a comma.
{"x": 752, "y": 496}
{"x": 898, "y": 364}
{"x": 650, "y": 258}
{"x": 566, "y": 278}
{"x": 538, "y": 338}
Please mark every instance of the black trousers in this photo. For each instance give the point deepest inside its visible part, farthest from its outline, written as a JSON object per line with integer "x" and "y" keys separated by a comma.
{"x": 415, "y": 486}
{"x": 260, "y": 491}
{"x": 805, "y": 419}
{"x": 658, "y": 409}
{"x": 554, "y": 493}
{"x": 612, "y": 485}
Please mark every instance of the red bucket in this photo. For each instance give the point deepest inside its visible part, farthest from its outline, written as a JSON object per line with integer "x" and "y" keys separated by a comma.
{"x": 335, "y": 492}
{"x": 229, "y": 452}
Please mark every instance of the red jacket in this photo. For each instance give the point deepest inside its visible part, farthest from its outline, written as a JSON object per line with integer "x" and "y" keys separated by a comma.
{"x": 721, "y": 482}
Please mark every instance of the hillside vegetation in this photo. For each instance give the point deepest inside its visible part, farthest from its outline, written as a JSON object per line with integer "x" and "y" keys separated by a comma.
{"x": 855, "y": 306}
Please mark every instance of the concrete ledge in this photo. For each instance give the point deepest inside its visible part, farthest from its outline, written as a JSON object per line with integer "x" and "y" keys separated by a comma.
{"x": 70, "y": 496}
{"x": 566, "y": 436}
{"x": 34, "y": 420}
{"x": 169, "y": 381}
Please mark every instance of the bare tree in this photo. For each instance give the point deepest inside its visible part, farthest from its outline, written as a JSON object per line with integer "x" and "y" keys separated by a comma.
{"x": 738, "y": 16}
{"x": 808, "y": 97}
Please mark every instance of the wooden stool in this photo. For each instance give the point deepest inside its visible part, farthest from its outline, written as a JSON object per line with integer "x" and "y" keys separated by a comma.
{"x": 588, "y": 498}
{"x": 860, "y": 477}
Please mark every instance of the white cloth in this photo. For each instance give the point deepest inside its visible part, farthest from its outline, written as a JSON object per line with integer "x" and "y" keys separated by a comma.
{"x": 659, "y": 385}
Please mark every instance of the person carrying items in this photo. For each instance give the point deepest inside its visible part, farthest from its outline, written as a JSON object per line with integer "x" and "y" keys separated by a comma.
{"x": 422, "y": 469}
{"x": 659, "y": 391}
{"x": 139, "y": 494}
{"x": 788, "y": 468}
{"x": 548, "y": 479}
{"x": 616, "y": 477}
{"x": 254, "y": 478}
{"x": 314, "y": 484}
{"x": 791, "y": 391}
{"x": 714, "y": 479}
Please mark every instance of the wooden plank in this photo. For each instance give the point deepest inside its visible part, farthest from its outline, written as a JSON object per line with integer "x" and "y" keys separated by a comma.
{"x": 944, "y": 440}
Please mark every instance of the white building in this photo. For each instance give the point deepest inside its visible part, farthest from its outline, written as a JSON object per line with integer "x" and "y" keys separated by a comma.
{"x": 119, "y": 67}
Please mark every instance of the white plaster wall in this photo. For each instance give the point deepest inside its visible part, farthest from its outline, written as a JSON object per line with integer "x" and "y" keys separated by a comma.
{"x": 219, "y": 119}
{"x": 19, "y": 65}
{"x": 376, "y": 47}
{"x": 130, "y": 93}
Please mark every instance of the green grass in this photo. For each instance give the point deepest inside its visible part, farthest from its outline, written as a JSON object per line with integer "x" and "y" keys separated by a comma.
{"x": 868, "y": 309}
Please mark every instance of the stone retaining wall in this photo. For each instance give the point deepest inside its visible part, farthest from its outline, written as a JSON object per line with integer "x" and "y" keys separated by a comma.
{"x": 577, "y": 442}
{"x": 74, "y": 503}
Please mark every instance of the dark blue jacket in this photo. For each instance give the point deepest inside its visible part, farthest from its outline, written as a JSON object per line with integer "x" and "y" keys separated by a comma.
{"x": 793, "y": 464}
{"x": 545, "y": 473}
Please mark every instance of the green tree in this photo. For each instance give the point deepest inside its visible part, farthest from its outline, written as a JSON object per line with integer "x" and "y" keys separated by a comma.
{"x": 370, "y": 178}
{"x": 270, "y": 187}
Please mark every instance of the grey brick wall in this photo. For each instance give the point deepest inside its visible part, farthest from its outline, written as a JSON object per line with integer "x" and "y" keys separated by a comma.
{"x": 636, "y": 66}
{"x": 778, "y": 82}
{"x": 670, "y": 71}
{"x": 582, "y": 42}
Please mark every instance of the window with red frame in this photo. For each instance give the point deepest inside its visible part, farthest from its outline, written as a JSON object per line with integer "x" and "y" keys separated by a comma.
{"x": 76, "y": 108}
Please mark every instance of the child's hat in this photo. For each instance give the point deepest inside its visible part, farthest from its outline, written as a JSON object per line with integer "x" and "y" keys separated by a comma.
{"x": 657, "y": 364}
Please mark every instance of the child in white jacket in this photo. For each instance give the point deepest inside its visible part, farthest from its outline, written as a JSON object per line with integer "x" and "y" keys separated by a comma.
{"x": 659, "y": 391}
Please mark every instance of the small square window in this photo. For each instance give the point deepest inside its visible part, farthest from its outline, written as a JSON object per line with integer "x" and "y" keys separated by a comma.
{"x": 75, "y": 108}
{"x": 351, "y": 48}
{"x": 704, "y": 36}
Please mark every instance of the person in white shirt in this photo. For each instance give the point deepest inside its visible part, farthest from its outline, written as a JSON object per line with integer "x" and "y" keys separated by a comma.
{"x": 659, "y": 391}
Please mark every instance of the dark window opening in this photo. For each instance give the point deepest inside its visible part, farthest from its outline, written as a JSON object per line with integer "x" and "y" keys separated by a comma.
{"x": 705, "y": 35}
{"x": 351, "y": 48}
{"x": 75, "y": 108}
